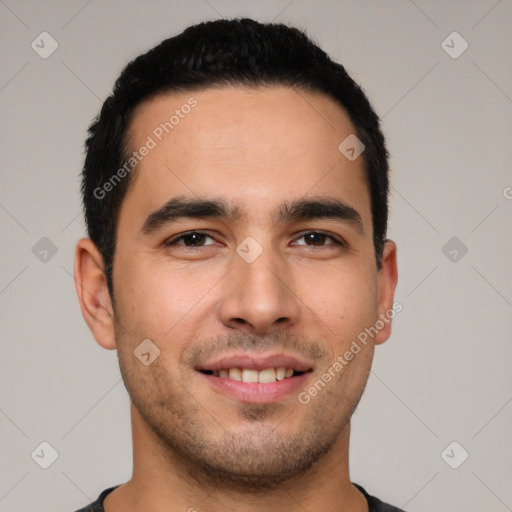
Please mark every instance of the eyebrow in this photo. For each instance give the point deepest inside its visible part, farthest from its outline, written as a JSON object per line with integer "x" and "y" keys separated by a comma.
{"x": 289, "y": 211}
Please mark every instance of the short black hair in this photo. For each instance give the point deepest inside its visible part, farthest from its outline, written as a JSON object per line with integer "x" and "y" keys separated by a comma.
{"x": 239, "y": 52}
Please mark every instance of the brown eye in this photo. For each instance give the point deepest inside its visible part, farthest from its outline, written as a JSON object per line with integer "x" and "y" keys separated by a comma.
{"x": 318, "y": 239}
{"x": 190, "y": 239}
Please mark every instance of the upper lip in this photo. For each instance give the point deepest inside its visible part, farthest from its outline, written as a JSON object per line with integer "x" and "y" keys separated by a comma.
{"x": 256, "y": 361}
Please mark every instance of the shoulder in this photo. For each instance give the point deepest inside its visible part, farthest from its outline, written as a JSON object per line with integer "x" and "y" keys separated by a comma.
{"x": 376, "y": 505}
{"x": 97, "y": 506}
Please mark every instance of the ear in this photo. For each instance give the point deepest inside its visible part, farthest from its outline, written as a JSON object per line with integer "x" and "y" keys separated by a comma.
{"x": 93, "y": 295}
{"x": 387, "y": 280}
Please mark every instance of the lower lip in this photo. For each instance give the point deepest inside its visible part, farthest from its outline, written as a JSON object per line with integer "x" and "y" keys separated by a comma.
{"x": 255, "y": 392}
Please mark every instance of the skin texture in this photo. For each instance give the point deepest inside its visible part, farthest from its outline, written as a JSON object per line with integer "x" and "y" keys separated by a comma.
{"x": 194, "y": 446}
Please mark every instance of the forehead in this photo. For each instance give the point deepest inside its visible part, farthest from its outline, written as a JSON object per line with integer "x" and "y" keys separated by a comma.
{"x": 248, "y": 145}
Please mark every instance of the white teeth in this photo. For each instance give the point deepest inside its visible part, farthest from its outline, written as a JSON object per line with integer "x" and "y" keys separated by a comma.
{"x": 235, "y": 374}
{"x": 280, "y": 373}
{"x": 268, "y": 375}
{"x": 249, "y": 375}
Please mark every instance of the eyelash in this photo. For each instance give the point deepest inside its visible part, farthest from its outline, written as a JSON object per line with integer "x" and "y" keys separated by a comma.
{"x": 172, "y": 241}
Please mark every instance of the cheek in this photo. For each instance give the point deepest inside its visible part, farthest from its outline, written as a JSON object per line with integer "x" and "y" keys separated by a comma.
{"x": 168, "y": 301}
{"x": 345, "y": 299}
{"x": 159, "y": 298}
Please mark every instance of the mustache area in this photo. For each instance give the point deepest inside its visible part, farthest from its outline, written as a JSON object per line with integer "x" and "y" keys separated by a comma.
{"x": 199, "y": 351}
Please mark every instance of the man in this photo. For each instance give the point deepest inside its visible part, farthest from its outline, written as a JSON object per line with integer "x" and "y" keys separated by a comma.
{"x": 235, "y": 190}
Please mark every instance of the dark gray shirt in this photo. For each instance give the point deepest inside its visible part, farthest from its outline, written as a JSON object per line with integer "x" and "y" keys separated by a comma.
{"x": 374, "y": 504}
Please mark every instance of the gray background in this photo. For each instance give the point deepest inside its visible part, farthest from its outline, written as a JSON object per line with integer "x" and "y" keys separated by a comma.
{"x": 443, "y": 376}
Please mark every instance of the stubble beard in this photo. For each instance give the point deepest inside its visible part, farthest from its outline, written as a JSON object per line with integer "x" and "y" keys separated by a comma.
{"x": 198, "y": 447}
{"x": 260, "y": 458}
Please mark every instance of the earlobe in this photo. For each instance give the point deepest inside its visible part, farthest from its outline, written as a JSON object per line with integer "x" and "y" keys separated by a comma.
{"x": 388, "y": 278}
{"x": 93, "y": 294}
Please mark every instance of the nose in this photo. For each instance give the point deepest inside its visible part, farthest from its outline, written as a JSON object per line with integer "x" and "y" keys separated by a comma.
{"x": 259, "y": 297}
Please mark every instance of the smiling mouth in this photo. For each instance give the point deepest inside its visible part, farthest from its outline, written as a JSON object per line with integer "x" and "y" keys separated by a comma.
{"x": 266, "y": 376}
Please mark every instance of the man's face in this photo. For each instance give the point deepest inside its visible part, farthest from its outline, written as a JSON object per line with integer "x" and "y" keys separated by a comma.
{"x": 265, "y": 288}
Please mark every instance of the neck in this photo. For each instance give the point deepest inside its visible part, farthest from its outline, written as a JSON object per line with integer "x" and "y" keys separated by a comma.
{"x": 161, "y": 483}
